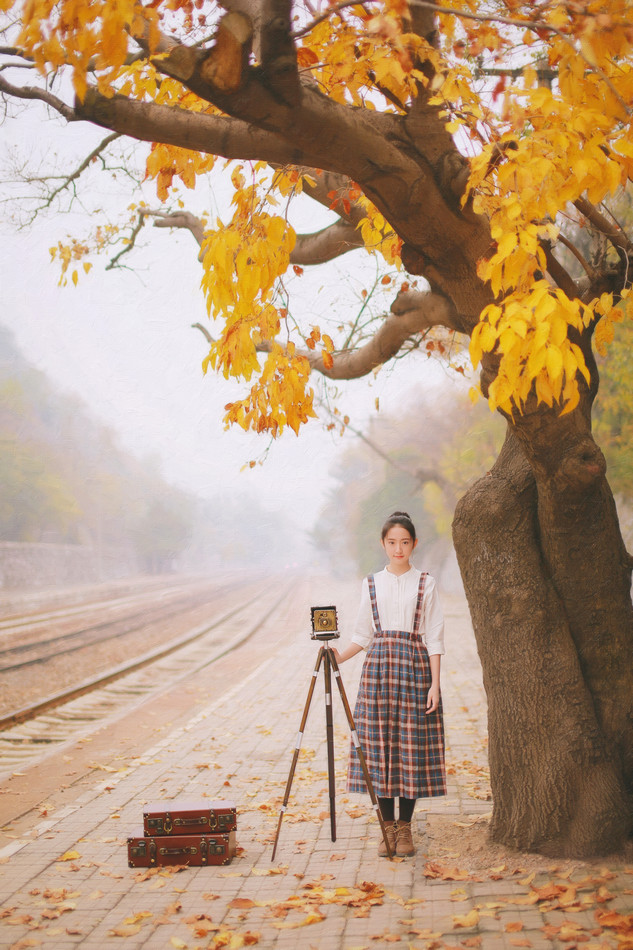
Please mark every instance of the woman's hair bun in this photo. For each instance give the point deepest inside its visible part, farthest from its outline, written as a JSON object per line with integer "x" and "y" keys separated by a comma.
{"x": 401, "y": 518}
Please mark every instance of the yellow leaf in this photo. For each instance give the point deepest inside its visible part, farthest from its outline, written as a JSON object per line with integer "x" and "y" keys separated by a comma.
{"x": 466, "y": 920}
{"x": 69, "y": 856}
{"x": 135, "y": 918}
{"x": 124, "y": 930}
{"x": 554, "y": 363}
{"x": 572, "y": 400}
{"x": 314, "y": 917}
{"x": 506, "y": 245}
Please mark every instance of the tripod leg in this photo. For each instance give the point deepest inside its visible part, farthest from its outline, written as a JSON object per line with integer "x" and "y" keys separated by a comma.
{"x": 359, "y": 751}
{"x": 329, "y": 731}
{"x": 295, "y": 756}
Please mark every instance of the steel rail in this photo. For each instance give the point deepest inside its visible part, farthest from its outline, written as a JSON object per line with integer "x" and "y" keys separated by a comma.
{"x": 15, "y": 622}
{"x": 67, "y": 695}
{"x": 94, "y": 628}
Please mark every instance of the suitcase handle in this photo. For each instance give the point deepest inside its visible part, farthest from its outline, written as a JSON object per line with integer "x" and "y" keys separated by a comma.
{"x": 190, "y": 850}
{"x": 168, "y": 823}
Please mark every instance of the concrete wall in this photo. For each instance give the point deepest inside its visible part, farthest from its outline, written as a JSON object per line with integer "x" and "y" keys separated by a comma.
{"x": 35, "y": 566}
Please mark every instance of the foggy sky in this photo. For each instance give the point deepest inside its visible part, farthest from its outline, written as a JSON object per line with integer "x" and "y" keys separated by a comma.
{"x": 123, "y": 342}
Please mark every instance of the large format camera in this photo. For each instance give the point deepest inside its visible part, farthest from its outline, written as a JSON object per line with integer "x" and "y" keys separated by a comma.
{"x": 324, "y": 623}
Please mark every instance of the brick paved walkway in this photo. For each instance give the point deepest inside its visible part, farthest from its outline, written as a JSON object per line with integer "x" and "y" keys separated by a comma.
{"x": 65, "y": 882}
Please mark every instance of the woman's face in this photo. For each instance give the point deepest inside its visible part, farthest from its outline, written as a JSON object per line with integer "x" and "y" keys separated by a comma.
{"x": 398, "y": 545}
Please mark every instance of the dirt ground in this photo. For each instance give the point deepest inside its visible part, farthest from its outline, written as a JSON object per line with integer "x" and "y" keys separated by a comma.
{"x": 468, "y": 845}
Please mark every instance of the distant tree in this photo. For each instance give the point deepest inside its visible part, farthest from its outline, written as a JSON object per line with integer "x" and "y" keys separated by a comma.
{"x": 423, "y": 458}
{"x": 613, "y": 421}
{"x": 63, "y": 477}
{"x": 370, "y": 108}
{"x": 162, "y": 534}
{"x": 36, "y": 504}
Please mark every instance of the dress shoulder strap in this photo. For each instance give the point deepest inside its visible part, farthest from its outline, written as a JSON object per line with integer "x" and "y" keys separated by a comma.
{"x": 374, "y": 604}
{"x": 418, "y": 607}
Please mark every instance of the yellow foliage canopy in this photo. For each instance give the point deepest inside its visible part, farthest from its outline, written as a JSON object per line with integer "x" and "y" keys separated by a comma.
{"x": 536, "y": 147}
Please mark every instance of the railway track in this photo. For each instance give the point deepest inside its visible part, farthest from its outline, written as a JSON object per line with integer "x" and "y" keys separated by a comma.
{"x": 30, "y": 732}
{"x": 113, "y": 620}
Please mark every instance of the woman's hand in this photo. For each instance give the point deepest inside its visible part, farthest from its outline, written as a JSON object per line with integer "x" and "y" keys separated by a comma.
{"x": 433, "y": 698}
{"x": 347, "y": 653}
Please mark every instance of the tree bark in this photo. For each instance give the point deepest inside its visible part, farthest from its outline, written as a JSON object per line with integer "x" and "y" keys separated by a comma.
{"x": 559, "y": 733}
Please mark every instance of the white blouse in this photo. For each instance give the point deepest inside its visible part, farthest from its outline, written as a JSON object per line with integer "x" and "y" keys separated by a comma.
{"x": 396, "y": 597}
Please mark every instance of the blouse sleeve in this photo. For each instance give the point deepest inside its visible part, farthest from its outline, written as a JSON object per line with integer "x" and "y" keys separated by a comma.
{"x": 433, "y": 619}
{"x": 364, "y": 628}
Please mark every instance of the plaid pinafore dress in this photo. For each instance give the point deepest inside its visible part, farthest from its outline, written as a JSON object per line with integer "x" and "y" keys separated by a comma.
{"x": 403, "y": 746}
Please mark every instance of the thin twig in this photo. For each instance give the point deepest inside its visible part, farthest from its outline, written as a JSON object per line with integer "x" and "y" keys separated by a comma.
{"x": 80, "y": 169}
{"x": 534, "y": 25}
{"x": 131, "y": 242}
{"x": 329, "y": 12}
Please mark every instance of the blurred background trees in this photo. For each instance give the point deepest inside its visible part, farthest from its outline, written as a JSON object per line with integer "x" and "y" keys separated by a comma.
{"x": 66, "y": 480}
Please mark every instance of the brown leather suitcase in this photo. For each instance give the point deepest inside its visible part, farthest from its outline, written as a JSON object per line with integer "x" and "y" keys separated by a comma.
{"x": 196, "y": 850}
{"x": 183, "y": 817}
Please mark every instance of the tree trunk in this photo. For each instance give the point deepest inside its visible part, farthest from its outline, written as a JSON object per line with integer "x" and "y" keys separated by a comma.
{"x": 548, "y": 584}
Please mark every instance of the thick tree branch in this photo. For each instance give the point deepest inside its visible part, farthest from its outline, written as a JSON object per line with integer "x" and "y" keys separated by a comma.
{"x": 178, "y": 219}
{"x": 430, "y": 310}
{"x": 310, "y": 249}
{"x": 326, "y": 245}
{"x": 373, "y": 148}
{"x": 395, "y": 165}
{"x": 211, "y": 134}
{"x": 558, "y": 273}
{"x": 32, "y": 92}
{"x": 611, "y": 231}
{"x": 278, "y": 52}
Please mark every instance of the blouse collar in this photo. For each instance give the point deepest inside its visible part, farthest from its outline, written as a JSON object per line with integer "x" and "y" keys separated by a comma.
{"x": 412, "y": 567}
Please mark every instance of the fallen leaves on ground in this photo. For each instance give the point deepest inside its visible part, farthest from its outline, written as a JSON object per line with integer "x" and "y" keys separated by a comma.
{"x": 622, "y": 924}
{"x": 310, "y": 903}
{"x": 201, "y": 925}
{"x": 471, "y": 919}
{"x": 232, "y": 940}
{"x": 433, "y": 870}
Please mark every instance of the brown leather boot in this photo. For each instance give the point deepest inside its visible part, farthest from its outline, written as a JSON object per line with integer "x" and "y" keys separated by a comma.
{"x": 390, "y": 831}
{"x": 404, "y": 840}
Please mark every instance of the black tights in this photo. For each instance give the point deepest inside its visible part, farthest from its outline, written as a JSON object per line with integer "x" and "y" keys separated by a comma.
{"x": 388, "y": 808}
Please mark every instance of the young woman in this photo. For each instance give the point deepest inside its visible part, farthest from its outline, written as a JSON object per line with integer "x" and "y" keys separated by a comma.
{"x": 398, "y": 711}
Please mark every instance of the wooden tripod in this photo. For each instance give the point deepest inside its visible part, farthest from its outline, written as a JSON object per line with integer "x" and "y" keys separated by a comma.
{"x": 329, "y": 662}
